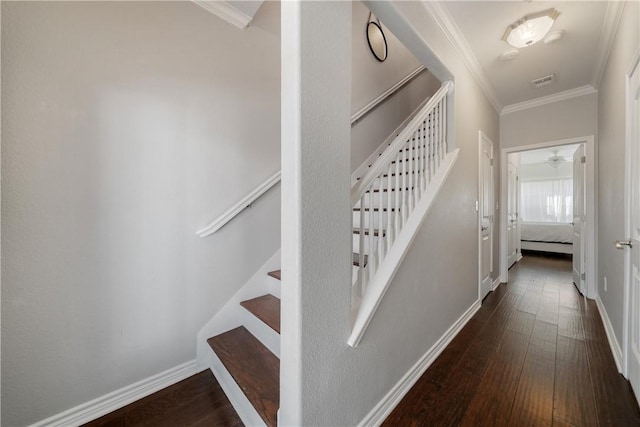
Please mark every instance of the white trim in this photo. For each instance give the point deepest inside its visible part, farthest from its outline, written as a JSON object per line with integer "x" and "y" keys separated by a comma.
{"x": 224, "y": 10}
{"x": 244, "y": 203}
{"x": 387, "y": 270}
{"x": 635, "y": 62}
{"x": 544, "y": 100}
{"x": 382, "y": 410}
{"x": 110, "y": 402}
{"x": 451, "y": 30}
{"x": 607, "y": 37}
{"x": 495, "y": 284}
{"x": 592, "y": 199}
{"x": 386, "y": 94}
{"x": 611, "y": 335}
{"x": 482, "y": 136}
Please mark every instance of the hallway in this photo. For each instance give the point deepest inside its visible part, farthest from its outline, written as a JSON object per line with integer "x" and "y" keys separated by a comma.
{"x": 535, "y": 354}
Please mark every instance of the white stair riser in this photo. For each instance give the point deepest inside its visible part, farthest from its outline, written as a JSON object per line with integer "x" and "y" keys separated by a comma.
{"x": 267, "y": 336}
{"x": 274, "y": 286}
{"x": 239, "y": 401}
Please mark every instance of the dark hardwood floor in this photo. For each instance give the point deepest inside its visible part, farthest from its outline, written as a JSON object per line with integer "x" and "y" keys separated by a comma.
{"x": 197, "y": 401}
{"x": 535, "y": 354}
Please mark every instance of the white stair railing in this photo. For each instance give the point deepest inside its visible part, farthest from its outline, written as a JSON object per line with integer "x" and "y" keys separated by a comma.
{"x": 386, "y": 196}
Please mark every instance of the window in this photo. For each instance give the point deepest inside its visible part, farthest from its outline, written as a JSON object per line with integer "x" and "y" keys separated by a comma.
{"x": 549, "y": 200}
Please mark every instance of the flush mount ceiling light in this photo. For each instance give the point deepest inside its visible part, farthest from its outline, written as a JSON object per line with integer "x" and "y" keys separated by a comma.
{"x": 530, "y": 29}
{"x": 555, "y": 160}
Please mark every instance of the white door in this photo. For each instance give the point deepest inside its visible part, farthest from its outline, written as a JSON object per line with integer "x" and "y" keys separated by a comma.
{"x": 579, "y": 209}
{"x": 632, "y": 245}
{"x": 512, "y": 214}
{"x": 485, "y": 216}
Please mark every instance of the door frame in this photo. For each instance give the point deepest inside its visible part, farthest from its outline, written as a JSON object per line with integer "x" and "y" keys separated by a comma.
{"x": 483, "y": 137}
{"x": 591, "y": 199}
{"x": 627, "y": 217}
{"x": 506, "y": 206}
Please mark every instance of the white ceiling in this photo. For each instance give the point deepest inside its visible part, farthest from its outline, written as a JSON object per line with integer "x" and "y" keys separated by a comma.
{"x": 573, "y": 59}
{"x": 542, "y": 155}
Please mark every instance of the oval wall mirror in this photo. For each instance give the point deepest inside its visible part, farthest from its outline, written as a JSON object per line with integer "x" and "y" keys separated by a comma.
{"x": 377, "y": 41}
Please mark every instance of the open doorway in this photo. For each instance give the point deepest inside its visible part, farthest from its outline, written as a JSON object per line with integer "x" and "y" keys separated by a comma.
{"x": 548, "y": 195}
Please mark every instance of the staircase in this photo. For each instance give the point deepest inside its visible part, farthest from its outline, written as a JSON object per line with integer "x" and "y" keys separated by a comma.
{"x": 391, "y": 195}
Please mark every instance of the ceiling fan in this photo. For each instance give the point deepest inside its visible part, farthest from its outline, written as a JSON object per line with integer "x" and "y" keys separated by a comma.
{"x": 555, "y": 160}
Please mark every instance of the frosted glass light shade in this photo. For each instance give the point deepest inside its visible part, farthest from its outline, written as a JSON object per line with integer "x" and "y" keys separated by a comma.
{"x": 530, "y": 29}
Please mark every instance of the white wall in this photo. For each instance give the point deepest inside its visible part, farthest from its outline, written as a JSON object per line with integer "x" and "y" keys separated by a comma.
{"x": 370, "y": 78}
{"x": 611, "y": 160}
{"x": 566, "y": 119}
{"x": 435, "y": 285}
{"x": 126, "y": 127}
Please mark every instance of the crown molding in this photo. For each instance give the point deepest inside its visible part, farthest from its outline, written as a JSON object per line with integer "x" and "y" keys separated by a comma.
{"x": 549, "y": 99}
{"x": 451, "y": 30}
{"x": 607, "y": 36}
{"x": 224, "y": 10}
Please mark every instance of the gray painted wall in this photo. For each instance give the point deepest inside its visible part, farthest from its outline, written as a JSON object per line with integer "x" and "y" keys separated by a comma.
{"x": 370, "y": 77}
{"x": 611, "y": 146}
{"x": 570, "y": 118}
{"x": 435, "y": 285}
{"x": 127, "y": 127}
{"x": 122, "y": 138}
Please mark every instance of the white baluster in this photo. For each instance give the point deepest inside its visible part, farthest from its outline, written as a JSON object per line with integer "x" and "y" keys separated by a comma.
{"x": 425, "y": 143}
{"x": 444, "y": 126}
{"x": 418, "y": 189}
{"x": 405, "y": 183}
{"x": 379, "y": 241}
{"x": 362, "y": 273}
{"x": 388, "y": 237}
{"x": 409, "y": 149}
{"x": 440, "y": 154}
{"x": 372, "y": 217}
{"x": 397, "y": 182}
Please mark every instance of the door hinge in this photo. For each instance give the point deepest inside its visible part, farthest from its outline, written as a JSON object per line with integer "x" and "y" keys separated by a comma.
{"x": 583, "y": 159}
{"x": 583, "y": 276}
{"x": 491, "y": 162}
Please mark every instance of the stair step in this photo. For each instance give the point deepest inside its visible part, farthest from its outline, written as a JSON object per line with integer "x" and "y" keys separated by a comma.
{"x": 393, "y": 174}
{"x": 401, "y": 160}
{"x": 384, "y": 190}
{"x": 367, "y": 232}
{"x": 376, "y": 209}
{"x": 265, "y": 308}
{"x": 253, "y": 367}
{"x": 356, "y": 260}
{"x": 276, "y": 274}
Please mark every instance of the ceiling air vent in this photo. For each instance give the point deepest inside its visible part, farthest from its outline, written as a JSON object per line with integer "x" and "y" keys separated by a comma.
{"x": 544, "y": 81}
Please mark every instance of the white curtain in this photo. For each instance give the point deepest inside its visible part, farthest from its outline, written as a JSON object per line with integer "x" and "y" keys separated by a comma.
{"x": 547, "y": 200}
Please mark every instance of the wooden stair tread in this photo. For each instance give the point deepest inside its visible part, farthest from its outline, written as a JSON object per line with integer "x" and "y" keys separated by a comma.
{"x": 276, "y": 274}
{"x": 253, "y": 367}
{"x": 265, "y": 308}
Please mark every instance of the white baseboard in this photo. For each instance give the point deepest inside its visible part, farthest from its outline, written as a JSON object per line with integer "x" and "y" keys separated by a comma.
{"x": 611, "y": 336}
{"x": 103, "y": 405}
{"x": 382, "y": 410}
{"x": 495, "y": 284}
